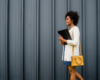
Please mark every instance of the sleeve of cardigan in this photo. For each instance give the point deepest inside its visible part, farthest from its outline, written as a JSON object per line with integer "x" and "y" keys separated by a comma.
{"x": 76, "y": 37}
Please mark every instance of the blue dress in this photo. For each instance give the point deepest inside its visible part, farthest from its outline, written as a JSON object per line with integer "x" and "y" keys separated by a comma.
{"x": 65, "y": 62}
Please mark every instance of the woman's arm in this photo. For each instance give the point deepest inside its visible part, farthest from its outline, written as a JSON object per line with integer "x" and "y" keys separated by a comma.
{"x": 75, "y": 35}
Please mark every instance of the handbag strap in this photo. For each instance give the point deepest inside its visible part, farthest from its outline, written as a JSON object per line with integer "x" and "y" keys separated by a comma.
{"x": 73, "y": 45}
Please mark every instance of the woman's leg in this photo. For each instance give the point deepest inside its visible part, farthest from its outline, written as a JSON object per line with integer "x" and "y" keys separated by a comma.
{"x": 78, "y": 76}
{"x": 72, "y": 71}
{"x": 74, "y": 74}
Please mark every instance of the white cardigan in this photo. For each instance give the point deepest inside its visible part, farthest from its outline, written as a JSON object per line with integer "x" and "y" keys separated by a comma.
{"x": 75, "y": 42}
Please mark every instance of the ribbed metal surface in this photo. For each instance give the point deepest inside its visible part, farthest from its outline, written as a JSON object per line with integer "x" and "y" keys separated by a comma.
{"x": 29, "y": 44}
{"x": 3, "y": 39}
{"x": 30, "y": 39}
{"x": 91, "y": 40}
{"x": 98, "y": 38}
{"x": 15, "y": 60}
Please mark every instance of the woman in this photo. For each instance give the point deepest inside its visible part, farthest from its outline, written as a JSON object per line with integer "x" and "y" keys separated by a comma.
{"x": 71, "y": 21}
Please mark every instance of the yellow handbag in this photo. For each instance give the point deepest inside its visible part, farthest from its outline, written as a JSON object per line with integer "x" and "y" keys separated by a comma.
{"x": 77, "y": 60}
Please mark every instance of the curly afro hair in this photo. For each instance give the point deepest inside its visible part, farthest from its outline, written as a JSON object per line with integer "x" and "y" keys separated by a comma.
{"x": 74, "y": 16}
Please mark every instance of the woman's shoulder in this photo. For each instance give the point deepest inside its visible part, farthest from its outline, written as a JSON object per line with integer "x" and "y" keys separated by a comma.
{"x": 76, "y": 28}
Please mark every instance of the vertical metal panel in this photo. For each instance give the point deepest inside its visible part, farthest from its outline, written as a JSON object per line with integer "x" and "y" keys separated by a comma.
{"x": 30, "y": 36}
{"x": 84, "y": 39}
{"x": 60, "y": 11}
{"x": 98, "y": 39}
{"x": 91, "y": 42}
{"x": 37, "y": 56}
{"x": 53, "y": 45}
{"x": 76, "y": 5}
{"x": 3, "y": 39}
{"x": 16, "y": 40}
{"x": 45, "y": 55}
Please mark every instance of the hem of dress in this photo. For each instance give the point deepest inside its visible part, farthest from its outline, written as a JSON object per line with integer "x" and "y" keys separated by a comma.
{"x": 67, "y": 60}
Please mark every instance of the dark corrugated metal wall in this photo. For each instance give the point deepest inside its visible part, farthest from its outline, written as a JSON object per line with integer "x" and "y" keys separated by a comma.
{"x": 29, "y": 44}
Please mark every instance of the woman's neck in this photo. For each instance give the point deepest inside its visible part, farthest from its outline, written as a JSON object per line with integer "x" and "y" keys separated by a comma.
{"x": 72, "y": 25}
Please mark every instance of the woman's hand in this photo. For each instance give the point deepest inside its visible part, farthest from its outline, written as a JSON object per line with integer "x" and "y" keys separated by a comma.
{"x": 60, "y": 38}
{"x": 61, "y": 43}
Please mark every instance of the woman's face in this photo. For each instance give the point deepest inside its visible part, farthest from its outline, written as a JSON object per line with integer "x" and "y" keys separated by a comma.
{"x": 68, "y": 21}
